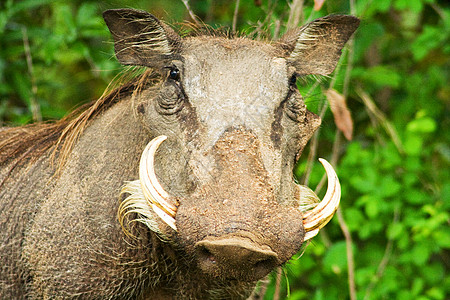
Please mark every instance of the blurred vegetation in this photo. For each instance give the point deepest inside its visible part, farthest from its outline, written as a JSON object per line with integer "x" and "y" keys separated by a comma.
{"x": 55, "y": 55}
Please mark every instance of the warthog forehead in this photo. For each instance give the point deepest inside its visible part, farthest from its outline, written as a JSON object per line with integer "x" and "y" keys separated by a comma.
{"x": 232, "y": 85}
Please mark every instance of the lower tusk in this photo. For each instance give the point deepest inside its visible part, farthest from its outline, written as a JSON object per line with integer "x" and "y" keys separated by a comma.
{"x": 153, "y": 192}
{"x": 317, "y": 218}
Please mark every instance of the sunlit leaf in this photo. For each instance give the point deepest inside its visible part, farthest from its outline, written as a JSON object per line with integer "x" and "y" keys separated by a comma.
{"x": 318, "y": 4}
{"x": 382, "y": 76}
{"x": 429, "y": 39}
{"x": 422, "y": 125}
{"x": 341, "y": 113}
{"x": 335, "y": 259}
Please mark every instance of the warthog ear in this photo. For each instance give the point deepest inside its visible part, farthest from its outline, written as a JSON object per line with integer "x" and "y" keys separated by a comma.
{"x": 316, "y": 47}
{"x": 140, "y": 39}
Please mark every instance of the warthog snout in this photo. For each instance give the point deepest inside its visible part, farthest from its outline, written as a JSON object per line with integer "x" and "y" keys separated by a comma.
{"x": 234, "y": 226}
{"x": 238, "y": 257}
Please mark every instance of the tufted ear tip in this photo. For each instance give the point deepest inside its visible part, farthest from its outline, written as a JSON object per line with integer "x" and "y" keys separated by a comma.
{"x": 316, "y": 47}
{"x": 115, "y": 17}
{"x": 140, "y": 38}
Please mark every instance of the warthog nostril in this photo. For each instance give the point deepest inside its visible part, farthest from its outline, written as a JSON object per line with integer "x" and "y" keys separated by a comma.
{"x": 235, "y": 257}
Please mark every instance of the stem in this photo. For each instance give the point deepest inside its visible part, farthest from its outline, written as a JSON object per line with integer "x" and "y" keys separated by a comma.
{"x": 35, "y": 108}
{"x": 380, "y": 117}
{"x": 351, "y": 44}
{"x": 262, "y": 292}
{"x": 334, "y": 160}
{"x": 438, "y": 10}
{"x": 276, "y": 294}
{"x": 191, "y": 13}
{"x": 276, "y": 32}
{"x": 342, "y": 223}
{"x": 350, "y": 258}
{"x": 235, "y": 16}
{"x": 258, "y": 31}
{"x": 351, "y": 57}
{"x": 384, "y": 261}
{"x": 295, "y": 14}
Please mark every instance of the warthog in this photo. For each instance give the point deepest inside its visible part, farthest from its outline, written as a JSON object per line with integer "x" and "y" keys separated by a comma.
{"x": 207, "y": 208}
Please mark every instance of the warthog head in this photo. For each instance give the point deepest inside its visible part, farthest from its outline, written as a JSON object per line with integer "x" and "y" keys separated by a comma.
{"x": 228, "y": 125}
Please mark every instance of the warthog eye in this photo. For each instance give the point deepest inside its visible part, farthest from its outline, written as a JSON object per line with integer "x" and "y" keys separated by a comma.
{"x": 294, "y": 107}
{"x": 171, "y": 98}
{"x": 174, "y": 74}
{"x": 293, "y": 80}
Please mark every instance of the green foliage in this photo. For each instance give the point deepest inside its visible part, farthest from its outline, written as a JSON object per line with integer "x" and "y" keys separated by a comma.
{"x": 394, "y": 174}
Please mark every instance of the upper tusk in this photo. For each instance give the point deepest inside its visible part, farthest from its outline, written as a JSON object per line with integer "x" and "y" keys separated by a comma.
{"x": 318, "y": 217}
{"x": 154, "y": 193}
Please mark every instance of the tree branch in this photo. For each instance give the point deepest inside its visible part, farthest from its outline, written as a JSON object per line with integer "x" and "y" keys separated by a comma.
{"x": 235, "y": 16}
{"x": 276, "y": 294}
{"x": 191, "y": 13}
{"x": 380, "y": 117}
{"x": 350, "y": 257}
{"x": 384, "y": 261}
{"x": 35, "y": 108}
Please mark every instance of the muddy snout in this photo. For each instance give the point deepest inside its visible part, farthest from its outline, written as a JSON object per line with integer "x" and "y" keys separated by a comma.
{"x": 235, "y": 257}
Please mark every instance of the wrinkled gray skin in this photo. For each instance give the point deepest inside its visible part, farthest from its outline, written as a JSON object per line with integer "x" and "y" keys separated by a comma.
{"x": 235, "y": 124}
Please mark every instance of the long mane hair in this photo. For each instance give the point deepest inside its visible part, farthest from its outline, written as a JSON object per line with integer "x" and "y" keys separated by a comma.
{"x": 19, "y": 145}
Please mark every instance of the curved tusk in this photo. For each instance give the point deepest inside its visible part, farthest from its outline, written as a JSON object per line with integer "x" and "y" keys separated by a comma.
{"x": 318, "y": 217}
{"x": 153, "y": 192}
{"x": 169, "y": 220}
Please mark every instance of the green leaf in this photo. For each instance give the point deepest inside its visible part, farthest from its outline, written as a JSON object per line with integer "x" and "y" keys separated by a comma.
{"x": 413, "y": 144}
{"x": 391, "y": 157}
{"x": 422, "y": 125}
{"x": 395, "y": 230}
{"x": 299, "y": 295}
{"x": 87, "y": 15}
{"x": 335, "y": 259}
{"x": 354, "y": 218}
{"x": 388, "y": 186}
{"x": 27, "y": 5}
{"x": 22, "y": 86}
{"x": 429, "y": 39}
{"x": 65, "y": 23}
{"x": 433, "y": 273}
{"x": 442, "y": 238}
{"x": 372, "y": 207}
{"x": 368, "y": 34}
{"x": 416, "y": 197}
{"x": 436, "y": 293}
{"x": 417, "y": 286}
{"x": 405, "y": 295}
{"x": 421, "y": 253}
{"x": 368, "y": 8}
{"x": 382, "y": 76}
{"x": 413, "y": 5}
{"x": 319, "y": 295}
